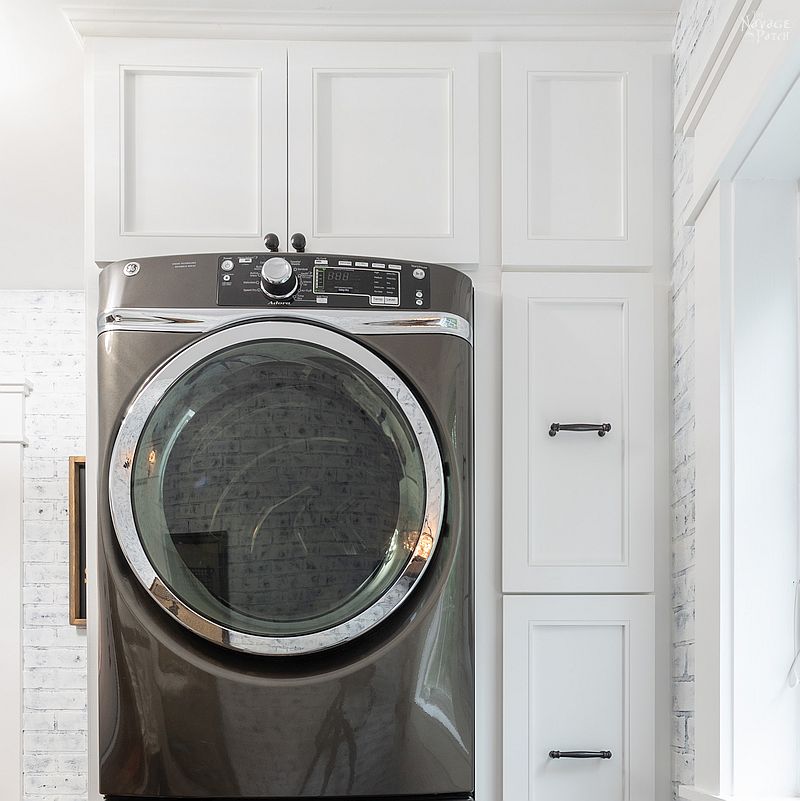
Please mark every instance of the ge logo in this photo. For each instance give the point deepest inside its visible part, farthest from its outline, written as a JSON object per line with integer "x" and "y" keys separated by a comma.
{"x": 131, "y": 268}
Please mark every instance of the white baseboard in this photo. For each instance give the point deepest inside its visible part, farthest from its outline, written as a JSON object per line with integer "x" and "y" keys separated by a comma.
{"x": 696, "y": 794}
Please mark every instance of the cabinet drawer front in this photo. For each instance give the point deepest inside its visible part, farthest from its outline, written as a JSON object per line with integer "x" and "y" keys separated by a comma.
{"x": 382, "y": 148}
{"x": 577, "y": 154}
{"x": 578, "y": 507}
{"x": 578, "y": 677}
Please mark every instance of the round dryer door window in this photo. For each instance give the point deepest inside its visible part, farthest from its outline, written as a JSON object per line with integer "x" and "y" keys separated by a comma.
{"x": 277, "y": 487}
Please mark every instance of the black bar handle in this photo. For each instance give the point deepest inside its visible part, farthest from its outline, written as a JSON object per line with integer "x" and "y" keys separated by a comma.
{"x": 580, "y": 755}
{"x": 601, "y": 428}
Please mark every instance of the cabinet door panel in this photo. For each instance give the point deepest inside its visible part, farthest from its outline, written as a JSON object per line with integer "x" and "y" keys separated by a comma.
{"x": 577, "y": 508}
{"x": 576, "y": 127}
{"x": 191, "y": 146}
{"x": 577, "y": 154}
{"x": 163, "y": 111}
{"x": 383, "y": 148}
{"x": 348, "y": 161}
{"x": 578, "y": 676}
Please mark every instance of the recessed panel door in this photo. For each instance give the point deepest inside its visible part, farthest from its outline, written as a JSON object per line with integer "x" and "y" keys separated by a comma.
{"x": 577, "y": 433}
{"x": 577, "y": 131}
{"x": 383, "y": 149}
{"x": 190, "y": 142}
{"x": 578, "y": 698}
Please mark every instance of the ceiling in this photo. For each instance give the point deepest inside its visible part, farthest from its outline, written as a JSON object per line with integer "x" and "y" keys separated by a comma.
{"x": 555, "y": 7}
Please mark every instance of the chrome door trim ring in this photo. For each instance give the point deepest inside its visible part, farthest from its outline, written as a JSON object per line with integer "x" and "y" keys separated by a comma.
{"x": 350, "y": 321}
{"x": 121, "y": 476}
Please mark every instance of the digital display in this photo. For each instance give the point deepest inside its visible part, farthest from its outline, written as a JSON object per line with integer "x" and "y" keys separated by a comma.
{"x": 338, "y": 278}
{"x": 356, "y": 281}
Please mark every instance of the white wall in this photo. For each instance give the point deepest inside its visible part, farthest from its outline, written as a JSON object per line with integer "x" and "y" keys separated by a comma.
{"x": 765, "y": 453}
{"x": 42, "y": 337}
{"x": 41, "y": 147}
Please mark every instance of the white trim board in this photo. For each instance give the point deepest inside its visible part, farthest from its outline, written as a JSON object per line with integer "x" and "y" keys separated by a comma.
{"x": 722, "y": 758}
{"x": 696, "y": 794}
{"x": 12, "y": 443}
{"x": 741, "y": 84}
{"x": 729, "y": 34}
{"x": 227, "y": 23}
{"x": 780, "y": 82}
{"x": 731, "y": 30}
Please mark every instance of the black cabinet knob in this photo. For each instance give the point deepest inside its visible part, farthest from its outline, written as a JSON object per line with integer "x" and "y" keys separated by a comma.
{"x": 299, "y": 243}
{"x": 272, "y": 243}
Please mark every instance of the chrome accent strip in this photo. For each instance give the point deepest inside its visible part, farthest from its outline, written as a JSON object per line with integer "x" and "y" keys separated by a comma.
{"x": 121, "y": 487}
{"x": 353, "y": 322}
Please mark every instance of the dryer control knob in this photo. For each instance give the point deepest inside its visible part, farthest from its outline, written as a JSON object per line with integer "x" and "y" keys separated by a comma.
{"x": 278, "y": 280}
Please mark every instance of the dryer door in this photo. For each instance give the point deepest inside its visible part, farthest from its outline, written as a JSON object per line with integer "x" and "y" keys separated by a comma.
{"x": 277, "y": 487}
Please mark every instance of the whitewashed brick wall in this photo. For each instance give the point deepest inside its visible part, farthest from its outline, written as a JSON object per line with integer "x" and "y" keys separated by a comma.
{"x": 42, "y": 337}
{"x": 695, "y": 22}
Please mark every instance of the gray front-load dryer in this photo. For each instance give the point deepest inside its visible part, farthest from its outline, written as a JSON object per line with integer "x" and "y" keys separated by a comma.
{"x": 285, "y": 528}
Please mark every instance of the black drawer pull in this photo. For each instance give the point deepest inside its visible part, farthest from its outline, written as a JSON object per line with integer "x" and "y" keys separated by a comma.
{"x": 580, "y": 755}
{"x": 601, "y": 428}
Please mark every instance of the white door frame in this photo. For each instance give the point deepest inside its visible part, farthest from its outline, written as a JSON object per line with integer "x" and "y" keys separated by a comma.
{"x": 739, "y": 89}
{"x": 13, "y": 391}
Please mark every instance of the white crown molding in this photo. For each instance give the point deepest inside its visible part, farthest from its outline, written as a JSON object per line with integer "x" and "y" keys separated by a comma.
{"x": 221, "y": 23}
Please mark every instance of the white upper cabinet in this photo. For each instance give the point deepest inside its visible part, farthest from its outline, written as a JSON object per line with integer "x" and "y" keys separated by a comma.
{"x": 383, "y": 149}
{"x": 578, "y": 676}
{"x": 577, "y": 139}
{"x": 190, "y": 146}
{"x": 578, "y": 507}
{"x": 193, "y": 140}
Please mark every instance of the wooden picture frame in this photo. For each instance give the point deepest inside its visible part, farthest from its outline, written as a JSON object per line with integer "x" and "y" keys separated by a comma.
{"x": 77, "y": 540}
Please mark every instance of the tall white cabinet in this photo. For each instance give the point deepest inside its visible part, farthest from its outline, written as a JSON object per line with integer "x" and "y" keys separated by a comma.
{"x": 578, "y": 423}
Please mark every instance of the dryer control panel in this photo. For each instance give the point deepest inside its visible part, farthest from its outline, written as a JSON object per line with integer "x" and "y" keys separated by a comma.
{"x": 313, "y": 279}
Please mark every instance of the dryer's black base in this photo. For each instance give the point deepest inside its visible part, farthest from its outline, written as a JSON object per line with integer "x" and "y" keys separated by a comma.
{"x": 438, "y": 797}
